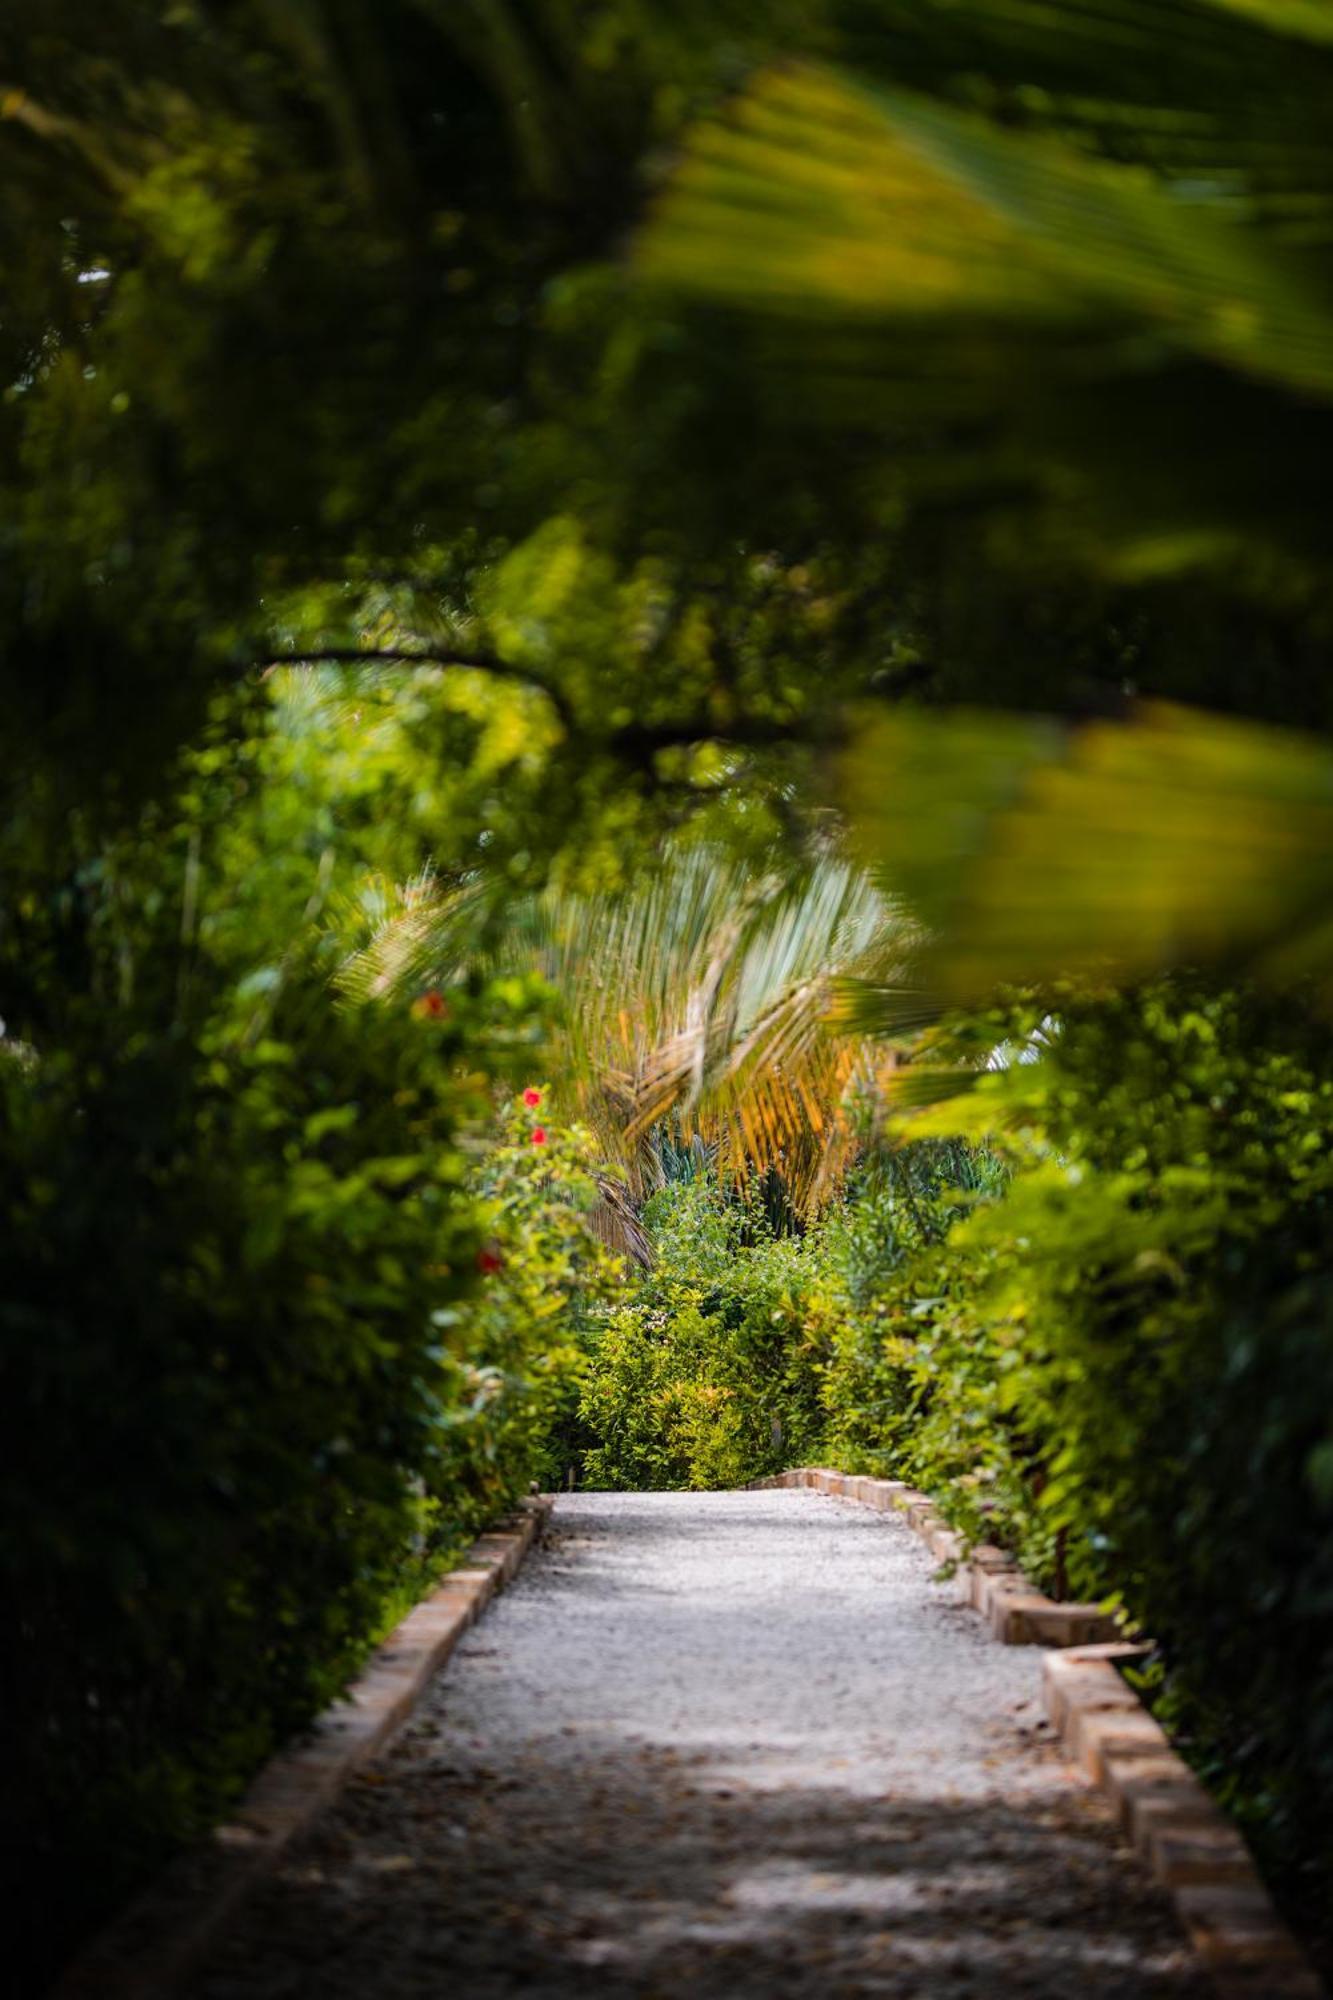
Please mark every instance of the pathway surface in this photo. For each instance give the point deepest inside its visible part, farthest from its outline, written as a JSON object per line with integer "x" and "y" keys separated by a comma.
{"x": 731, "y": 1746}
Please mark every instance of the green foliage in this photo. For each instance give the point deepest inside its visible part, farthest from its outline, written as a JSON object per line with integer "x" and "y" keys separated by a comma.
{"x": 231, "y": 1273}
{"x": 1119, "y": 1363}
{"x": 724, "y": 1362}
{"x": 708, "y": 1375}
{"x": 247, "y": 1406}
{"x": 1115, "y": 851}
{"x": 546, "y": 1273}
{"x": 1022, "y": 241}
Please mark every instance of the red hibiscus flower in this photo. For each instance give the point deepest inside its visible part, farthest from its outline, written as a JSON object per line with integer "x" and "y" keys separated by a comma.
{"x": 539, "y": 1135}
{"x": 532, "y": 1098}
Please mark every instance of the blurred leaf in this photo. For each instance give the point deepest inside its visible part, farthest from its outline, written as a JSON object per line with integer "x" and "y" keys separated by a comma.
{"x": 1113, "y": 850}
{"x": 1115, "y": 307}
{"x": 820, "y": 194}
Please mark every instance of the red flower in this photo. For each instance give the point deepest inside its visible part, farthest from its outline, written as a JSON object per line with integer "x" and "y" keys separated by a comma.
{"x": 489, "y": 1261}
{"x": 539, "y": 1135}
{"x": 432, "y": 1006}
{"x": 532, "y": 1098}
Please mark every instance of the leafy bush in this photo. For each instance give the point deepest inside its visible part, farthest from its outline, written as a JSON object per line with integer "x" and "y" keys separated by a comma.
{"x": 246, "y": 1401}
{"x": 229, "y": 1280}
{"x": 1121, "y": 1364}
{"x": 546, "y": 1275}
{"x": 708, "y": 1375}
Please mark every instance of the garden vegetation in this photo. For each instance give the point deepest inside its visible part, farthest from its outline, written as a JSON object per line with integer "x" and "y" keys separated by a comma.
{"x": 667, "y": 810}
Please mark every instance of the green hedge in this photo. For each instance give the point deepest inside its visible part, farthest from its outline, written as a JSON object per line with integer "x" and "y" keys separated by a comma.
{"x": 257, "y": 1381}
{"x": 706, "y": 1377}
{"x": 219, "y": 1426}
{"x": 1122, "y": 1366}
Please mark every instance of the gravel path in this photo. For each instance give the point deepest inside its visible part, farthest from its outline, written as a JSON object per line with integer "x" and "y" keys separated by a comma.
{"x": 730, "y": 1746}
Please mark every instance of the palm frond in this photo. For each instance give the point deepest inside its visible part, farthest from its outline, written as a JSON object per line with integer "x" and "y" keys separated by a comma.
{"x": 1116, "y": 850}
{"x": 696, "y": 1003}
{"x": 1056, "y": 272}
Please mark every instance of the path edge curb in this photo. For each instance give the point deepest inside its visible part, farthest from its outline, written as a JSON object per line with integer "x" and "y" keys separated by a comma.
{"x": 1183, "y": 1837}
{"x": 151, "y": 1947}
{"x": 1186, "y": 1841}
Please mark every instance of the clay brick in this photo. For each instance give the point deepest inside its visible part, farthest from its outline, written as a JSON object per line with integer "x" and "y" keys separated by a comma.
{"x": 1134, "y": 1778}
{"x": 1014, "y": 1612}
{"x": 1097, "y": 1734}
{"x": 1155, "y": 1808}
{"x": 985, "y": 1556}
{"x": 988, "y": 1585}
{"x": 473, "y": 1589}
{"x": 945, "y": 1545}
{"x": 1200, "y": 1849}
{"x": 1070, "y": 1681}
{"x": 1114, "y": 1650}
{"x": 1072, "y": 1625}
{"x": 1240, "y": 1937}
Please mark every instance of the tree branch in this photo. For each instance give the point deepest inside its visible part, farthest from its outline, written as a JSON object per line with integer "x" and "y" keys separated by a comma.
{"x": 639, "y": 742}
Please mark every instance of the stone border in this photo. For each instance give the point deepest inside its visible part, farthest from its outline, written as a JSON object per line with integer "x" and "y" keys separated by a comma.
{"x": 159, "y": 1940}
{"x": 1187, "y": 1842}
{"x": 988, "y": 1578}
{"x": 1184, "y": 1838}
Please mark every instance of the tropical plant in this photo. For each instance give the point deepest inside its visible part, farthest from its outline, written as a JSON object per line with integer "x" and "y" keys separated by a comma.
{"x": 1071, "y": 262}
{"x": 707, "y": 1374}
{"x": 697, "y": 1001}
{"x": 1040, "y": 854}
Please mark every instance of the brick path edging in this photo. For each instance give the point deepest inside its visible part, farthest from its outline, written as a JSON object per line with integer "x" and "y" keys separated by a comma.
{"x": 1187, "y": 1842}
{"x": 1185, "y": 1839}
{"x": 147, "y": 1952}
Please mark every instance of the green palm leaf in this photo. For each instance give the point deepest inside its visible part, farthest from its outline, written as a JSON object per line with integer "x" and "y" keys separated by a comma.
{"x": 1113, "y": 851}
{"x": 1080, "y": 264}
{"x": 820, "y": 194}
{"x": 697, "y": 1003}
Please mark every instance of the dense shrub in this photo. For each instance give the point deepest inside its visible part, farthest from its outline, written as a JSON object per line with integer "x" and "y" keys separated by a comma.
{"x": 250, "y": 1399}
{"x": 228, "y": 1280}
{"x": 547, "y": 1279}
{"x": 708, "y": 1375}
{"x": 1122, "y": 1365}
